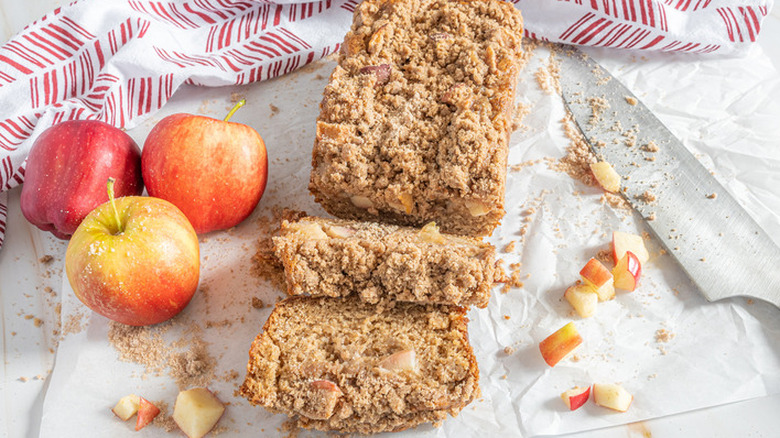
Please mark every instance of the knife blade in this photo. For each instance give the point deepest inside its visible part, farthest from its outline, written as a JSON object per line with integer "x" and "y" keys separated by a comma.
{"x": 721, "y": 248}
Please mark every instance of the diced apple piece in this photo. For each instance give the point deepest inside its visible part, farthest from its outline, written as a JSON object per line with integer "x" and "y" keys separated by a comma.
{"x": 430, "y": 233}
{"x": 310, "y": 230}
{"x": 559, "y": 344}
{"x": 622, "y": 242}
{"x": 127, "y": 406}
{"x": 197, "y": 411}
{"x": 627, "y": 272}
{"x": 146, "y": 413}
{"x": 596, "y": 275}
{"x": 361, "y": 201}
{"x": 476, "y": 208}
{"x": 407, "y": 201}
{"x": 337, "y": 231}
{"x": 583, "y": 298}
{"x": 575, "y": 397}
{"x": 612, "y": 396}
{"x": 606, "y": 176}
{"x": 323, "y": 395}
{"x": 405, "y": 360}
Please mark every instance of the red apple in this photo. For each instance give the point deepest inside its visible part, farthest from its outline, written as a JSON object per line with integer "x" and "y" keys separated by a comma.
{"x": 559, "y": 344}
{"x": 146, "y": 413}
{"x": 66, "y": 172}
{"x": 597, "y": 276}
{"x": 575, "y": 397}
{"x": 134, "y": 260}
{"x": 622, "y": 242}
{"x": 627, "y": 272}
{"x": 215, "y": 171}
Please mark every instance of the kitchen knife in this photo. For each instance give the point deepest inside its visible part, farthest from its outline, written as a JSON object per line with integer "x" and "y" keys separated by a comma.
{"x": 721, "y": 248}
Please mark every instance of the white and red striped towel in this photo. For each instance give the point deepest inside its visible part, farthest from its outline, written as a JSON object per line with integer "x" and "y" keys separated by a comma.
{"x": 121, "y": 61}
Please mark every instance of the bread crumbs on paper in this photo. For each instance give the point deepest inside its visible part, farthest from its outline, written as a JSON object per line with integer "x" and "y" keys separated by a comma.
{"x": 510, "y": 247}
{"x": 650, "y": 147}
{"x": 163, "y": 420}
{"x": 631, "y": 100}
{"x": 576, "y": 162}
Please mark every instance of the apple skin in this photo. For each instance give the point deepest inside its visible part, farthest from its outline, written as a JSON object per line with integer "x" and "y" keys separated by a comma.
{"x": 559, "y": 344}
{"x": 214, "y": 171}
{"x": 142, "y": 276}
{"x": 66, "y": 172}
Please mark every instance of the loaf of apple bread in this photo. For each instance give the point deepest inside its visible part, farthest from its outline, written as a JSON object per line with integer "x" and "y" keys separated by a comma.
{"x": 415, "y": 120}
{"x": 340, "y": 364}
{"x": 335, "y": 258}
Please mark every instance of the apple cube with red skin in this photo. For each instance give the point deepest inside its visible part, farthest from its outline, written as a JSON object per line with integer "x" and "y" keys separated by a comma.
{"x": 127, "y": 406}
{"x": 559, "y": 344}
{"x": 575, "y": 397}
{"x": 197, "y": 411}
{"x": 627, "y": 272}
{"x": 606, "y": 176}
{"x": 612, "y": 396}
{"x": 583, "y": 299}
{"x": 622, "y": 242}
{"x": 596, "y": 275}
{"x": 146, "y": 413}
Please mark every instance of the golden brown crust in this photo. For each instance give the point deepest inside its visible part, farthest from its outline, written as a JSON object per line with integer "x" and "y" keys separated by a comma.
{"x": 322, "y": 361}
{"x": 415, "y": 120}
{"x": 380, "y": 262}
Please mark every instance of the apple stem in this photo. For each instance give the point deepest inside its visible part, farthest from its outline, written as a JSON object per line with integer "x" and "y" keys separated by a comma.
{"x": 110, "y": 185}
{"x": 240, "y": 103}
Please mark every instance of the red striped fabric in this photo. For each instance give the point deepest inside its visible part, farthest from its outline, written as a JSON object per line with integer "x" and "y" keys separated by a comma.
{"x": 124, "y": 67}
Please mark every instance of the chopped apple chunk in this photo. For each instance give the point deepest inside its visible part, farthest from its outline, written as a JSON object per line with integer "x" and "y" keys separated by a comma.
{"x": 146, "y": 413}
{"x": 476, "y": 208}
{"x": 361, "y": 201}
{"x": 606, "y": 176}
{"x": 560, "y": 344}
{"x": 612, "y": 396}
{"x": 311, "y": 230}
{"x": 596, "y": 275}
{"x": 197, "y": 411}
{"x": 583, "y": 299}
{"x": 575, "y": 397}
{"x": 622, "y": 242}
{"x": 627, "y": 272}
{"x": 127, "y": 406}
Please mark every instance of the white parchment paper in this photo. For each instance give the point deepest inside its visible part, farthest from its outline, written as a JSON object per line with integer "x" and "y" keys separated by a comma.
{"x": 724, "y": 109}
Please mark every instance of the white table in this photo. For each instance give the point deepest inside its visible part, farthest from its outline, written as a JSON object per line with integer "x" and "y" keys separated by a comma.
{"x": 29, "y": 350}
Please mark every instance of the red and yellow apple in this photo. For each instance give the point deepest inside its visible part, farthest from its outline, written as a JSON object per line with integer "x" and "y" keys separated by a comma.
{"x": 583, "y": 299}
{"x": 606, "y": 176}
{"x": 622, "y": 242}
{"x": 612, "y": 396}
{"x": 560, "y": 344}
{"x": 597, "y": 276}
{"x": 134, "y": 260}
{"x": 575, "y": 397}
{"x": 215, "y": 171}
{"x": 66, "y": 172}
{"x": 627, "y": 272}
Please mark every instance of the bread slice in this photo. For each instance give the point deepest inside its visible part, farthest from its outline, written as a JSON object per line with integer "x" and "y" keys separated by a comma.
{"x": 343, "y": 365}
{"x": 337, "y": 258}
{"x": 415, "y": 120}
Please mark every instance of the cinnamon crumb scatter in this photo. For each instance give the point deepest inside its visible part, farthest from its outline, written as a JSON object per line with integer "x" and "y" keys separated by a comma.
{"x": 257, "y": 303}
{"x": 520, "y": 166}
{"x": 510, "y": 247}
{"x": 507, "y": 317}
{"x": 163, "y": 420}
{"x": 193, "y": 367}
{"x": 520, "y": 112}
{"x": 712, "y": 195}
{"x": 37, "y": 322}
{"x": 604, "y": 256}
{"x": 274, "y": 109}
{"x": 651, "y": 216}
{"x": 236, "y": 97}
{"x": 663, "y": 335}
{"x": 575, "y": 358}
{"x": 598, "y": 105}
{"x": 73, "y": 324}
{"x": 576, "y": 162}
{"x": 616, "y": 201}
{"x": 46, "y": 259}
{"x": 650, "y": 147}
{"x": 508, "y": 350}
{"x": 23, "y": 379}
{"x": 647, "y": 197}
{"x": 631, "y": 100}
{"x": 750, "y": 301}
{"x": 141, "y": 345}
